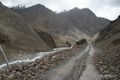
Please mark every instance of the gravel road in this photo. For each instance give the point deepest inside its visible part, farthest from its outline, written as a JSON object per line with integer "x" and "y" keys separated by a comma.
{"x": 70, "y": 64}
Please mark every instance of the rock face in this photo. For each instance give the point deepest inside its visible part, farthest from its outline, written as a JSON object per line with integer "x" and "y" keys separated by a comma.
{"x": 4, "y": 38}
{"x": 81, "y": 42}
{"x": 46, "y": 38}
{"x": 108, "y": 63}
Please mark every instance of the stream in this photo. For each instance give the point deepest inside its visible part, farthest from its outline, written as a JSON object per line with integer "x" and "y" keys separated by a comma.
{"x": 33, "y": 57}
{"x": 79, "y": 67}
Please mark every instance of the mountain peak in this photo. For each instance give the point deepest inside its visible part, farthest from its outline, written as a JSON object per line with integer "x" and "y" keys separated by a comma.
{"x": 81, "y": 10}
{"x": 84, "y": 11}
{"x": 37, "y": 6}
{"x": 76, "y": 8}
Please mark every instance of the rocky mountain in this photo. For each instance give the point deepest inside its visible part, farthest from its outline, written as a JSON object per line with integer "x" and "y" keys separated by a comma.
{"x": 41, "y": 17}
{"x": 70, "y": 26}
{"x": 17, "y": 35}
{"x": 40, "y": 26}
{"x": 108, "y": 41}
{"x": 64, "y": 22}
{"x": 85, "y": 20}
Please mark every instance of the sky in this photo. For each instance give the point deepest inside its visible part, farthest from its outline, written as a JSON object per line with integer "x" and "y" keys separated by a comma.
{"x": 109, "y": 9}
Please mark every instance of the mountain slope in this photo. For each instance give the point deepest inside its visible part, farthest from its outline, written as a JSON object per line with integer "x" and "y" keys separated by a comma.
{"x": 39, "y": 17}
{"x": 43, "y": 18}
{"x": 110, "y": 31}
{"x": 108, "y": 62}
{"x": 40, "y": 26}
{"x": 69, "y": 26}
{"x": 20, "y": 34}
{"x": 85, "y": 20}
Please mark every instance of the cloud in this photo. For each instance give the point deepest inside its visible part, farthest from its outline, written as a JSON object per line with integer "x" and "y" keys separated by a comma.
{"x": 109, "y": 9}
{"x": 102, "y": 3}
{"x": 115, "y": 2}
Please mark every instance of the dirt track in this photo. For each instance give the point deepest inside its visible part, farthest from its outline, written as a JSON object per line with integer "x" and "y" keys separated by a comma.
{"x": 73, "y": 64}
{"x": 79, "y": 67}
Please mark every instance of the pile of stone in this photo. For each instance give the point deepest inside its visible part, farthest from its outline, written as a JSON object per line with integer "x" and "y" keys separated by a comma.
{"x": 108, "y": 63}
{"x": 36, "y": 70}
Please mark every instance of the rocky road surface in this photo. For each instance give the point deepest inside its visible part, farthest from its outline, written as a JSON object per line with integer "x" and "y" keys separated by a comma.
{"x": 79, "y": 67}
{"x": 73, "y": 64}
{"x": 69, "y": 69}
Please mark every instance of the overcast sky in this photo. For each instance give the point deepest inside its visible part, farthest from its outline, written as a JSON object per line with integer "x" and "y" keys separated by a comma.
{"x": 109, "y": 9}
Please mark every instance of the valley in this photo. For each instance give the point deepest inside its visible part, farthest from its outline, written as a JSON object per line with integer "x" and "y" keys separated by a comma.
{"x": 40, "y": 44}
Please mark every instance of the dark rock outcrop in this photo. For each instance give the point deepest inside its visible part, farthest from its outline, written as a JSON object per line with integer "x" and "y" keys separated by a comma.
{"x": 80, "y": 43}
{"x": 83, "y": 41}
{"x": 47, "y": 38}
{"x": 4, "y": 39}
